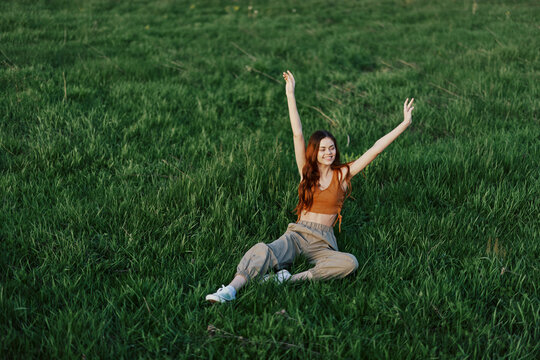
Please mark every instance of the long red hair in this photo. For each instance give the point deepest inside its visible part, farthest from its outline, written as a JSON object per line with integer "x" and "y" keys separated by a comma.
{"x": 310, "y": 171}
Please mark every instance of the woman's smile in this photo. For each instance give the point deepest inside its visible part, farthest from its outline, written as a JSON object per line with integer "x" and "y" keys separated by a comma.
{"x": 327, "y": 151}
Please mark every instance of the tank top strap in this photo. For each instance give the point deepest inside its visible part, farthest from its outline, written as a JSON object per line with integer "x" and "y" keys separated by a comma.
{"x": 335, "y": 177}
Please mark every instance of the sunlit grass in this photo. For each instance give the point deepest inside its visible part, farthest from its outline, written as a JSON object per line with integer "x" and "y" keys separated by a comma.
{"x": 144, "y": 147}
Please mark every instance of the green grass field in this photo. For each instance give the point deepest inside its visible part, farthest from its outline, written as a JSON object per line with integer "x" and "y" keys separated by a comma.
{"x": 145, "y": 146}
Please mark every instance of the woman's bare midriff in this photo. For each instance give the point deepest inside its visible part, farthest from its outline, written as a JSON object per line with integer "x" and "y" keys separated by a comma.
{"x": 325, "y": 219}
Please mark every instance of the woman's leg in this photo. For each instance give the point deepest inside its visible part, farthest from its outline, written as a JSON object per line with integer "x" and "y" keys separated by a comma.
{"x": 262, "y": 257}
{"x": 331, "y": 264}
{"x": 320, "y": 248}
{"x": 238, "y": 282}
{"x": 305, "y": 275}
{"x": 256, "y": 262}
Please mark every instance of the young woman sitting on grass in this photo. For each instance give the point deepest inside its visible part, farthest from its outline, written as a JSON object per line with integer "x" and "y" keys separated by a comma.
{"x": 323, "y": 184}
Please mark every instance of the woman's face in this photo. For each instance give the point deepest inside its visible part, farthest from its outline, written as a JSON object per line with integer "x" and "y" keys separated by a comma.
{"x": 327, "y": 152}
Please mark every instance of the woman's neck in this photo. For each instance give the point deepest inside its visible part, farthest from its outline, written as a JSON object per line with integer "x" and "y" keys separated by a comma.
{"x": 324, "y": 170}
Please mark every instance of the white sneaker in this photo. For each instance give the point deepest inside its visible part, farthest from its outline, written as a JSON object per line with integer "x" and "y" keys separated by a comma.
{"x": 280, "y": 277}
{"x": 224, "y": 293}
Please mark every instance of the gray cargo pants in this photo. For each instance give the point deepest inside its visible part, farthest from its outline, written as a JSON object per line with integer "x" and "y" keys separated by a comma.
{"x": 315, "y": 241}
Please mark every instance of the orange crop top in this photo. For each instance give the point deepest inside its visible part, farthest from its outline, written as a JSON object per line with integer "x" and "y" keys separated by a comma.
{"x": 329, "y": 200}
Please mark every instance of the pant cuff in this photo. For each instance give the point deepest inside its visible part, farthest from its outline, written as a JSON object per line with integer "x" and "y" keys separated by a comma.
{"x": 313, "y": 275}
{"x": 244, "y": 275}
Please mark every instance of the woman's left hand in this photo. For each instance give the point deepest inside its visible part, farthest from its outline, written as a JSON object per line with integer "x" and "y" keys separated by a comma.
{"x": 407, "y": 110}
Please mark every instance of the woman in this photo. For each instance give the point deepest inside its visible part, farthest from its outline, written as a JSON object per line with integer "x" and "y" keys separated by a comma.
{"x": 323, "y": 184}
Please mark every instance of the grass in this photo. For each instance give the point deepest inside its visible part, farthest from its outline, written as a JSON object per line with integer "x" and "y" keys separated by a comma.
{"x": 145, "y": 146}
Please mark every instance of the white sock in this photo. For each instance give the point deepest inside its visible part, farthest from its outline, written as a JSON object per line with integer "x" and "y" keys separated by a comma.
{"x": 231, "y": 289}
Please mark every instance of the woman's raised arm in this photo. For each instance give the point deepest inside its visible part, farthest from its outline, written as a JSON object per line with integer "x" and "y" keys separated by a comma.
{"x": 296, "y": 125}
{"x": 363, "y": 161}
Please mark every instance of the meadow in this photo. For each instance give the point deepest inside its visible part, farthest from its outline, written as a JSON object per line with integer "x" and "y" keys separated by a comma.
{"x": 146, "y": 145}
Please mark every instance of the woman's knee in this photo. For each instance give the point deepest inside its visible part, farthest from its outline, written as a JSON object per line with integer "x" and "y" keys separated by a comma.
{"x": 349, "y": 264}
{"x": 353, "y": 263}
{"x": 255, "y": 261}
{"x": 338, "y": 267}
{"x": 259, "y": 248}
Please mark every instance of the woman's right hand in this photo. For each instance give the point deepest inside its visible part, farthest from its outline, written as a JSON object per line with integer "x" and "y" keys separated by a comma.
{"x": 289, "y": 79}
{"x": 407, "y": 110}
